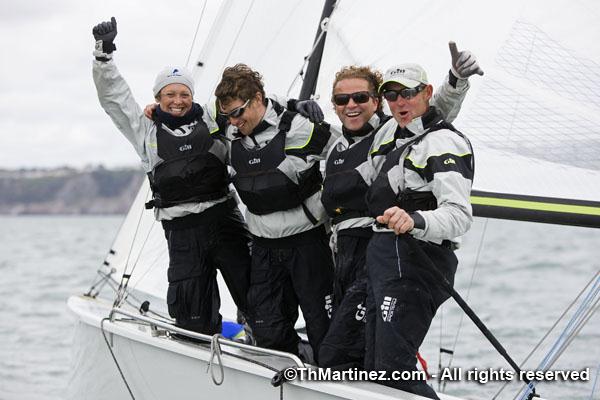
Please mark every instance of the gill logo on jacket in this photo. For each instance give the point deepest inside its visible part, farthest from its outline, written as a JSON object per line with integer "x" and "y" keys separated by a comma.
{"x": 328, "y": 305}
{"x": 339, "y": 161}
{"x": 185, "y": 147}
{"x": 254, "y": 161}
{"x": 387, "y": 308}
{"x": 449, "y": 161}
{"x": 361, "y": 312}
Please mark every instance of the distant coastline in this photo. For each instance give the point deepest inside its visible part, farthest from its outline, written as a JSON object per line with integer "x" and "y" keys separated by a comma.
{"x": 68, "y": 191}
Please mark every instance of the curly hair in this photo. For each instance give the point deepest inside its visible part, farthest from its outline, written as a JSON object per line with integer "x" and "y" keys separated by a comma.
{"x": 239, "y": 82}
{"x": 372, "y": 76}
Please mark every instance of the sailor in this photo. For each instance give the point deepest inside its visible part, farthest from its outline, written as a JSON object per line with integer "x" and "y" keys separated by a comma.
{"x": 420, "y": 200}
{"x": 275, "y": 156}
{"x": 348, "y": 174}
{"x": 184, "y": 154}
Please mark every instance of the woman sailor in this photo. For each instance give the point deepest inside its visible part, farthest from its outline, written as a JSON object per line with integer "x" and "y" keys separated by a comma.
{"x": 183, "y": 153}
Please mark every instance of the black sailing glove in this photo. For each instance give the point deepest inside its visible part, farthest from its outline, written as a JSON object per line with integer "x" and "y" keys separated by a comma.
{"x": 311, "y": 110}
{"x": 105, "y": 33}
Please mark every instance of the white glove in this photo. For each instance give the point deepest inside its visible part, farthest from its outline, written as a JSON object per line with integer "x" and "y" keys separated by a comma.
{"x": 464, "y": 63}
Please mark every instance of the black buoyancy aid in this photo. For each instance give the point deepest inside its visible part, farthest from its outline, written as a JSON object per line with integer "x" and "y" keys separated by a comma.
{"x": 189, "y": 171}
{"x": 381, "y": 196}
{"x": 344, "y": 188}
{"x": 261, "y": 185}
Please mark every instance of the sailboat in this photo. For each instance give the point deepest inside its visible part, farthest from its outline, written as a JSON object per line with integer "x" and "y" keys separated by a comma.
{"x": 533, "y": 121}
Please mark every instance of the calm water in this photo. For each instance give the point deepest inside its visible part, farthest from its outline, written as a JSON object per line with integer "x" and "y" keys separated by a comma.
{"x": 526, "y": 275}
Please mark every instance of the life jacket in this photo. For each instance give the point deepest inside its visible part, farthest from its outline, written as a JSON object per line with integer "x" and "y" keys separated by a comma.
{"x": 344, "y": 188}
{"x": 261, "y": 185}
{"x": 189, "y": 172}
{"x": 380, "y": 196}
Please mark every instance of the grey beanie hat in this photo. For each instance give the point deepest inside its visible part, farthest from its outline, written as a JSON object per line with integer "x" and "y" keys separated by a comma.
{"x": 173, "y": 75}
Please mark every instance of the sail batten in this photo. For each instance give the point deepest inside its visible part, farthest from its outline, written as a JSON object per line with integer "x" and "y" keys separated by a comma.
{"x": 536, "y": 209}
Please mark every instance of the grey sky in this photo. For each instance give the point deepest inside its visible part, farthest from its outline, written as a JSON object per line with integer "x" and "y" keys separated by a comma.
{"x": 49, "y": 112}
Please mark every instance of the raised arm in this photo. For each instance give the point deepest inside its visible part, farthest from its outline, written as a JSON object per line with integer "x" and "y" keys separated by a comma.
{"x": 449, "y": 97}
{"x": 113, "y": 92}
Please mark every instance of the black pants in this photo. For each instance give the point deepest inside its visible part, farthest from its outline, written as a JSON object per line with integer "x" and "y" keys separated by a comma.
{"x": 287, "y": 272}
{"x": 219, "y": 239}
{"x": 344, "y": 344}
{"x": 402, "y": 300}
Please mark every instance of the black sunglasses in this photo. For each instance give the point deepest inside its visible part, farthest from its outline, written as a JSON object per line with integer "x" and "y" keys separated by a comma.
{"x": 406, "y": 93}
{"x": 236, "y": 112}
{"x": 358, "y": 97}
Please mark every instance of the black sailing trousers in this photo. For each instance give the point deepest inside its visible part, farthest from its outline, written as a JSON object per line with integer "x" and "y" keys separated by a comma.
{"x": 218, "y": 238}
{"x": 287, "y": 272}
{"x": 344, "y": 344}
{"x": 402, "y": 300}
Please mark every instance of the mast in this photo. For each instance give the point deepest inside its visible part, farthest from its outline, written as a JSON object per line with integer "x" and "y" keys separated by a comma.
{"x": 314, "y": 63}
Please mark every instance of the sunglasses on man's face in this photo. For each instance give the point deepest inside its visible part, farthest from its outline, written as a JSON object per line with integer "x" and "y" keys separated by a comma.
{"x": 342, "y": 99}
{"x": 406, "y": 93}
{"x": 236, "y": 112}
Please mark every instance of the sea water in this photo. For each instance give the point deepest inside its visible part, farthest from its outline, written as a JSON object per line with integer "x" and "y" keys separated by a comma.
{"x": 524, "y": 276}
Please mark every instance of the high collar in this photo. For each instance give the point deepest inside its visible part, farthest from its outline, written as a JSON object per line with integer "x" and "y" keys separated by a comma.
{"x": 366, "y": 129}
{"x": 173, "y": 122}
{"x": 419, "y": 125}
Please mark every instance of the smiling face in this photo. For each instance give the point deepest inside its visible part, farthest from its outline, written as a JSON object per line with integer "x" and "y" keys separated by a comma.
{"x": 175, "y": 99}
{"x": 249, "y": 119}
{"x": 405, "y": 110}
{"x": 354, "y": 115}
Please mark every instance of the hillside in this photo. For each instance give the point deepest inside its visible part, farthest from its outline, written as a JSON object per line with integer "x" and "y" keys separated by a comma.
{"x": 68, "y": 190}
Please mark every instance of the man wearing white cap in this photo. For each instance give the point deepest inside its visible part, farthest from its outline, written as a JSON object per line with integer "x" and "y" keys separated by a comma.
{"x": 420, "y": 200}
{"x": 183, "y": 152}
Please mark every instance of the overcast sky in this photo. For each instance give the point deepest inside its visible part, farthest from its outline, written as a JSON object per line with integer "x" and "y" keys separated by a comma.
{"x": 49, "y": 111}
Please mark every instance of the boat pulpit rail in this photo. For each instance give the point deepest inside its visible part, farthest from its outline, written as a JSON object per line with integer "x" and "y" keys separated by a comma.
{"x": 208, "y": 338}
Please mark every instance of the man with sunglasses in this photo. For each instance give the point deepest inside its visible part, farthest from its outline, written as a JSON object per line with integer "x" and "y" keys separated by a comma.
{"x": 183, "y": 152}
{"x": 348, "y": 174}
{"x": 275, "y": 154}
{"x": 420, "y": 200}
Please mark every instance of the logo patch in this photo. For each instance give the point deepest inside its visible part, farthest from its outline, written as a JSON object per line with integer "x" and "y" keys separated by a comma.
{"x": 449, "y": 161}
{"x": 254, "y": 161}
{"x": 185, "y": 147}
{"x": 387, "y": 308}
{"x": 328, "y": 305}
{"x": 361, "y": 312}
{"x": 339, "y": 161}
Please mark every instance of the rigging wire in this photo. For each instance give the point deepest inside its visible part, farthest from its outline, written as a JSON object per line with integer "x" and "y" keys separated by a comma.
{"x": 237, "y": 36}
{"x": 462, "y": 315}
{"x": 300, "y": 73}
{"x": 113, "y": 356}
{"x": 113, "y": 285}
{"x": 125, "y": 277}
{"x": 106, "y": 263}
{"x": 135, "y": 263}
{"x": 537, "y": 346}
{"x": 588, "y": 306}
{"x": 595, "y": 382}
{"x": 324, "y": 27}
{"x": 187, "y": 61}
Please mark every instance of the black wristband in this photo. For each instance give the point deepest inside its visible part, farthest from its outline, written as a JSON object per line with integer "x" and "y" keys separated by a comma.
{"x": 108, "y": 47}
{"x": 452, "y": 79}
{"x": 418, "y": 220}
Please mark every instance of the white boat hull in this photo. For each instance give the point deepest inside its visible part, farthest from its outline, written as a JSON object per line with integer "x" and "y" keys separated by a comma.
{"x": 162, "y": 368}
